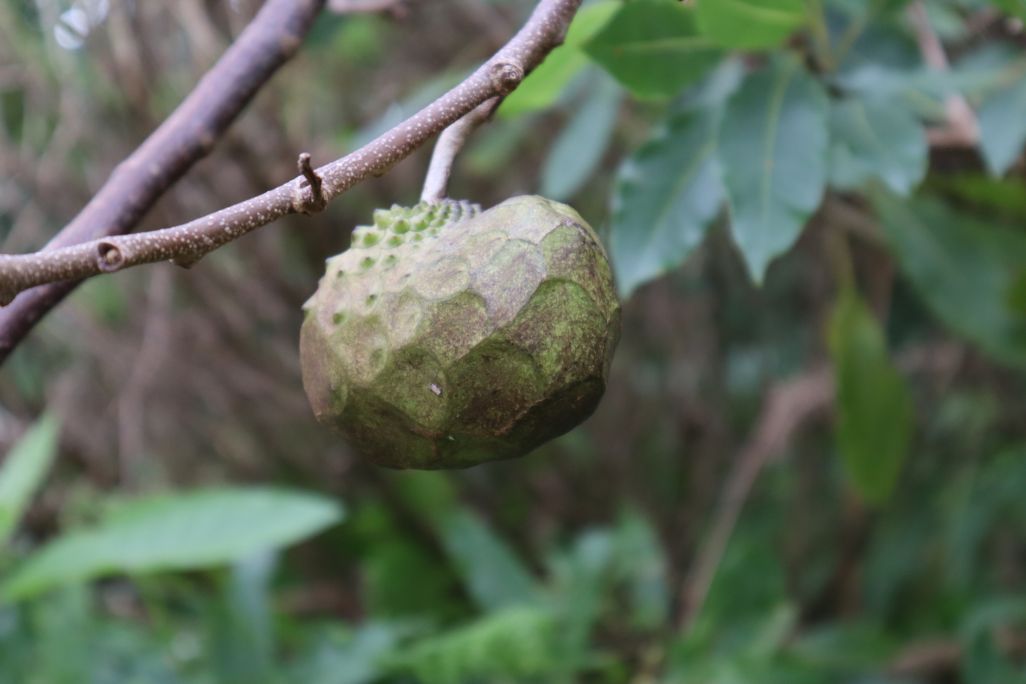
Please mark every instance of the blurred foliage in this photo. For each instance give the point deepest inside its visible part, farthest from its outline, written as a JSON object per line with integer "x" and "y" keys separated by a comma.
{"x": 794, "y": 240}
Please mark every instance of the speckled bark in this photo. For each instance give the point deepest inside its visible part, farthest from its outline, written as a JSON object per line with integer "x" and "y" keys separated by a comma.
{"x": 441, "y": 346}
{"x": 187, "y": 243}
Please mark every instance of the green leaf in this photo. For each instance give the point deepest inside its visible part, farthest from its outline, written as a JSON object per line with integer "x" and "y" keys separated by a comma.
{"x": 494, "y": 576}
{"x": 642, "y": 563}
{"x": 23, "y": 471}
{"x": 343, "y": 657}
{"x": 515, "y": 644}
{"x": 874, "y": 411}
{"x": 654, "y": 48}
{"x": 1002, "y": 120}
{"x": 545, "y": 84}
{"x": 666, "y": 196}
{"x": 579, "y": 148}
{"x": 196, "y": 530}
{"x": 750, "y": 24}
{"x": 1016, "y": 8}
{"x": 873, "y": 138}
{"x": 998, "y": 198}
{"x": 986, "y": 661}
{"x": 966, "y": 270}
{"x": 773, "y": 149}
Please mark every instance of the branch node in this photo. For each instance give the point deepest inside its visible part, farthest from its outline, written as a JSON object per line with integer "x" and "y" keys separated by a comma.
{"x": 506, "y": 76}
{"x": 314, "y": 201}
{"x": 109, "y": 257}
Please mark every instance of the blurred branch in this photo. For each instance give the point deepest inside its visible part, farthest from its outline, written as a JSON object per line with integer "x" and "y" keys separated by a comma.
{"x": 450, "y": 142}
{"x": 961, "y": 128}
{"x": 789, "y": 405}
{"x": 187, "y": 243}
{"x": 395, "y": 7}
{"x": 185, "y": 137}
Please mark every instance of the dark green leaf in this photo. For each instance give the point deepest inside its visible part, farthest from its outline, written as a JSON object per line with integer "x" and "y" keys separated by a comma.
{"x": 750, "y": 24}
{"x": 196, "y": 530}
{"x": 23, "y": 470}
{"x": 666, "y": 196}
{"x": 579, "y": 148}
{"x": 654, "y": 48}
{"x": 966, "y": 270}
{"x": 874, "y": 138}
{"x": 874, "y": 411}
{"x": 1001, "y": 198}
{"x": 1002, "y": 119}
{"x": 986, "y": 661}
{"x": 773, "y": 149}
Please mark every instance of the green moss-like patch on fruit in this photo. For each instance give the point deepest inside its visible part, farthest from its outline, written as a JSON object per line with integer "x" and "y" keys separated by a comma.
{"x": 446, "y": 336}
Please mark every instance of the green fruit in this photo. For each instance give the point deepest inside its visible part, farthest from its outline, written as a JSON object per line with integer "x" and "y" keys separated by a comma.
{"x": 446, "y": 336}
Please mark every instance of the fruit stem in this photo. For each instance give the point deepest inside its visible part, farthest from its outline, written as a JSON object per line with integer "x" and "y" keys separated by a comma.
{"x": 450, "y": 142}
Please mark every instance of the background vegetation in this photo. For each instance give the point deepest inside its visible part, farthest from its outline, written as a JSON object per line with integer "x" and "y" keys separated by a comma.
{"x": 810, "y": 462}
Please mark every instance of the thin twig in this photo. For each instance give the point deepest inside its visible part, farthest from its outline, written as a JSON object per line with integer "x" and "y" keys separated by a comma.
{"x": 188, "y": 242}
{"x": 450, "y": 142}
{"x": 788, "y": 407}
{"x": 186, "y": 136}
{"x": 961, "y": 128}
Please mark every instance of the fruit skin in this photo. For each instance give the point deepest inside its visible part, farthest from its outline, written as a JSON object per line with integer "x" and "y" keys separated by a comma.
{"x": 444, "y": 337}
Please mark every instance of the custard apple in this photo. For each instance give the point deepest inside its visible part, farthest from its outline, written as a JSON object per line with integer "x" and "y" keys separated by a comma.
{"x": 446, "y": 336}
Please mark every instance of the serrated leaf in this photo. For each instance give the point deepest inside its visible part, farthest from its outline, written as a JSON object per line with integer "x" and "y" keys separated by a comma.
{"x": 773, "y": 149}
{"x": 196, "y": 530}
{"x": 546, "y": 83}
{"x": 750, "y": 24}
{"x": 23, "y": 470}
{"x": 653, "y": 48}
{"x": 965, "y": 269}
{"x": 666, "y": 196}
{"x": 579, "y": 148}
{"x": 1002, "y": 121}
{"x": 874, "y": 411}
{"x": 872, "y": 138}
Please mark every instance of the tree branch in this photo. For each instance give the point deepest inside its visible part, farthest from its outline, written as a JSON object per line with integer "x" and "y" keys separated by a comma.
{"x": 450, "y": 142}
{"x": 186, "y": 136}
{"x": 790, "y": 404}
{"x": 961, "y": 128}
{"x": 188, "y": 242}
{"x": 367, "y": 6}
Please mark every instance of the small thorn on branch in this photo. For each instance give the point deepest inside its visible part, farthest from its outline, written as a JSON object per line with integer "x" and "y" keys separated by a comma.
{"x": 315, "y": 202}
